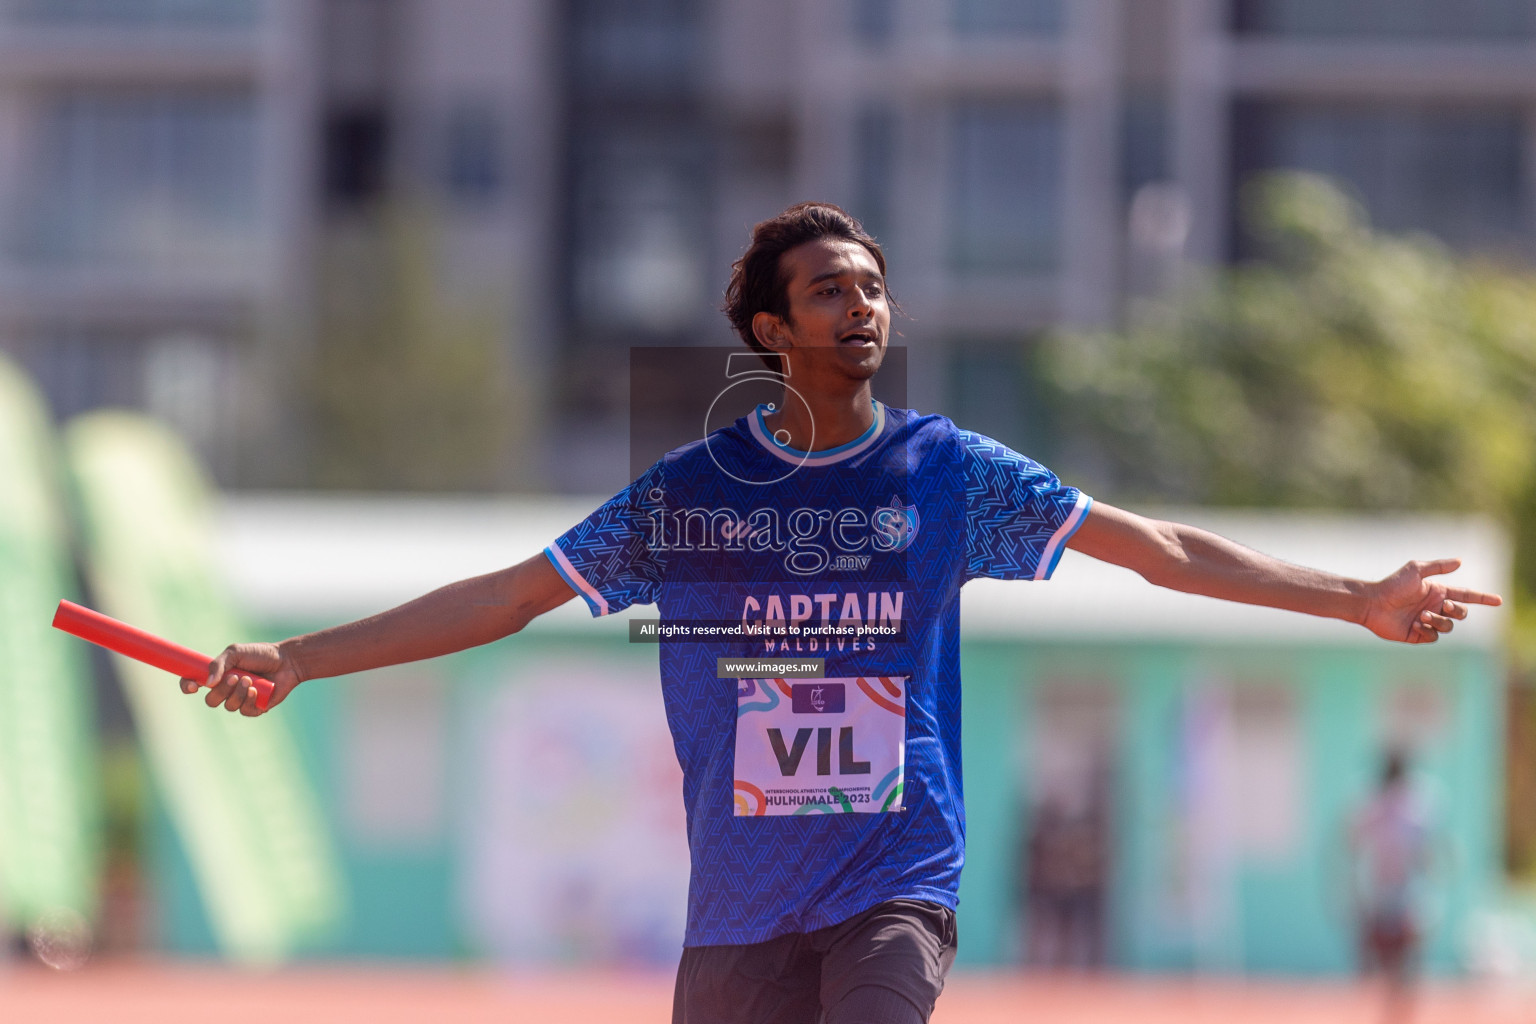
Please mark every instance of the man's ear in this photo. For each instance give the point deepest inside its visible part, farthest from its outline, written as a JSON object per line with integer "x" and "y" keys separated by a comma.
{"x": 771, "y": 331}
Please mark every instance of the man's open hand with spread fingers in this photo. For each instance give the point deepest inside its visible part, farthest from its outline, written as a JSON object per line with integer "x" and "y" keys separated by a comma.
{"x": 1413, "y": 606}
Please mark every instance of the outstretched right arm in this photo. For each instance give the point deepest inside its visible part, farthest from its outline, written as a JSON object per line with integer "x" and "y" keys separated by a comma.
{"x": 461, "y": 615}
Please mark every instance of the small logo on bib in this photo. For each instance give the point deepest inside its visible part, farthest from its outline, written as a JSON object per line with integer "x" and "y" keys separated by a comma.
{"x": 818, "y": 698}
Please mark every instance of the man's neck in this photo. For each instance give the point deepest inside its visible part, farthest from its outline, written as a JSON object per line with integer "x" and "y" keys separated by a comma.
{"x": 822, "y": 421}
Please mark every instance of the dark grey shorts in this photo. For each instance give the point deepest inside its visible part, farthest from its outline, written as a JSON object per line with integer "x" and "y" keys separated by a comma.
{"x": 885, "y": 966}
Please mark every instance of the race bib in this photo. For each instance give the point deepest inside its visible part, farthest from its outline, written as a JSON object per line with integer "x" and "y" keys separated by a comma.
{"x": 820, "y": 746}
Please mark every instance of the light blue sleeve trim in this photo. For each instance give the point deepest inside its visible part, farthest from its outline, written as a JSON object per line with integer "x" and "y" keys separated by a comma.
{"x": 578, "y": 586}
{"x": 1058, "y": 543}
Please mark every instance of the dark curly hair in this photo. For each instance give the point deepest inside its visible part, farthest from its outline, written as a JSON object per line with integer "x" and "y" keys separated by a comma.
{"x": 757, "y": 280}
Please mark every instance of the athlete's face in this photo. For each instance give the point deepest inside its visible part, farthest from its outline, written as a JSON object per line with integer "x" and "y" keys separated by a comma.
{"x": 839, "y": 318}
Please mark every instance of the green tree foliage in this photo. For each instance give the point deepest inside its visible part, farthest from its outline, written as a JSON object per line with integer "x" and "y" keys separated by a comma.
{"x": 1349, "y": 369}
{"x": 406, "y": 391}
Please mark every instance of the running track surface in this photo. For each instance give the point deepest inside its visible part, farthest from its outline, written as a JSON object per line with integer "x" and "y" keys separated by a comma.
{"x": 168, "y": 993}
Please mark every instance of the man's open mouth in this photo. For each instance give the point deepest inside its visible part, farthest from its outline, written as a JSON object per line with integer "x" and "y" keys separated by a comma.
{"x": 859, "y": 337}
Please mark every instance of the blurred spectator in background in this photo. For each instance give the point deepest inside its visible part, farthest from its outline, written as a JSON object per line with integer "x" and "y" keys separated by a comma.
{"x": 1063, "y": 884}
{"x": 1390, "y": 845}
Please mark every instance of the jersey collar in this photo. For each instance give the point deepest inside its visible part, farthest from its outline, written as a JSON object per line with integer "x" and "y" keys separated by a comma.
{"x": 842, "y": 452}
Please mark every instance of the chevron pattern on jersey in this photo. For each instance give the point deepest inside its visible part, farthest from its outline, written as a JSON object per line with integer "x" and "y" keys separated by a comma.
{"x": 982, "y": 510}
{"x": 612, "y": 545}
{"x": 1015, "y": 506}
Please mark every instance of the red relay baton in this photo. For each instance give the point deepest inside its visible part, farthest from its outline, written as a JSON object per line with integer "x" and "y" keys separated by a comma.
{"x": 134, "y": 643}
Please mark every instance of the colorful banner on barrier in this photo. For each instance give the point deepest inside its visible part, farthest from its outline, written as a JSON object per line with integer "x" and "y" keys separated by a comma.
{"x": 49, "y": 837}
{"x": 249, "y": 819}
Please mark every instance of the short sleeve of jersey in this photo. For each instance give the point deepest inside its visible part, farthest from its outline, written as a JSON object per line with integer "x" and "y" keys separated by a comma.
{"x": 1019, "y": 517}
{"x": 607, "y": 558}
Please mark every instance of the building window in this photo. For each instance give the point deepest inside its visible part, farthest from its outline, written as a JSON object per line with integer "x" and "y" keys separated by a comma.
{"x": 81, "y": 371}
{"x": 356, "y": 153}
{"x": 639, "y": 171}
{"x": 874, "y": 20}
{"x": 1008, "y": 16}
{"x": 472, "y": 153}
{"x": 1485, "y": 19}
{"x": 1144, "y": 132}
{"x": 640, "y": 234}
{"x": 644, "y": 46}
{"x": 157, "y": 14}
{"x": 1453, "y": 171}
{"x": 1005, "y": 187}
{"x": 875, "y": 171}
{"x": 149, "y": 179}
{"x": 990, "y": 391}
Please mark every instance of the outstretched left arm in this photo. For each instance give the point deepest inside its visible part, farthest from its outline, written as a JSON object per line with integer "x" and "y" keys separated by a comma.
{"x": 1410, "y": 606}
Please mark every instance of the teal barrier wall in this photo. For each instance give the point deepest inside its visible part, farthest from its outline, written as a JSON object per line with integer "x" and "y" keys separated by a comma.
{"x": 1281, "y": 913}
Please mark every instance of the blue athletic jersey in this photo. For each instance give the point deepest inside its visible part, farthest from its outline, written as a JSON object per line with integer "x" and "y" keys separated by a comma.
{"x": 883, "y": 531}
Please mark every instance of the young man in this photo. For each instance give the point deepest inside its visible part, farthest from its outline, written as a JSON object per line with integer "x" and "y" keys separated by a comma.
{"x": 825, "y": 871}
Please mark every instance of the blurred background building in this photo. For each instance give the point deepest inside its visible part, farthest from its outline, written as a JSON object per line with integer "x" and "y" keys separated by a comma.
{"x": 155, "y": 188}
{"x": 192, "y": 189}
